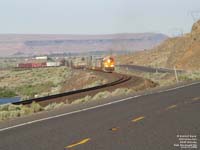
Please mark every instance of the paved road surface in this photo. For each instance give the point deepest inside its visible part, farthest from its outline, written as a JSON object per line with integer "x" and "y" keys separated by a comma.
{"x": 149, "y": 69}
{"x": 145, "y": 123}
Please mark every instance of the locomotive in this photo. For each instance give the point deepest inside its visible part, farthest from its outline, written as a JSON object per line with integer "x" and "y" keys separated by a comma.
{"x": 108, "y": 64}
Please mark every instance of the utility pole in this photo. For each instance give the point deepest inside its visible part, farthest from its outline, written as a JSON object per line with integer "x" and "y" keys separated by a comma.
{"x": 195, "y": 15}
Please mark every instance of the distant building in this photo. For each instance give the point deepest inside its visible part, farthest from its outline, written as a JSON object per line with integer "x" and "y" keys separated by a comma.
{"x": 41, "y": 57}
{"x": 53, "y": 64}
{"x": 39, "y": 62}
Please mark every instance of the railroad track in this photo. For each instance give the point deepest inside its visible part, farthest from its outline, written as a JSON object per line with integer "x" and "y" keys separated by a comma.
{"x": 54, "y": 98}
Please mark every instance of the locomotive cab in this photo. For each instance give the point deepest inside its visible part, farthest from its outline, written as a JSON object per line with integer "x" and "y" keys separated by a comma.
{"x": 108, "y": 64}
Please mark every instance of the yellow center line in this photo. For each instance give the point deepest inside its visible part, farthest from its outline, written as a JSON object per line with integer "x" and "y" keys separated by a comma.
{"x": 114, "y": 129}
{"x": 171, "y": 107}
{"x": 138, "y": 119}
{"x": 79, "y": 143}
{"x": 196, "y": 99}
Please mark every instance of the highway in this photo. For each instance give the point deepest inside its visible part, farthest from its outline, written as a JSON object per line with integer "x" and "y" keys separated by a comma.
{"x": 150, "y": 122}
{"x": 149, "y": 69}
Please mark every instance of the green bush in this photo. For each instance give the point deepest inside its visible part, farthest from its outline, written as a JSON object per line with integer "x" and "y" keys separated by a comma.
{"x": 5, "y": 93}
{"x": 32, "y": 90}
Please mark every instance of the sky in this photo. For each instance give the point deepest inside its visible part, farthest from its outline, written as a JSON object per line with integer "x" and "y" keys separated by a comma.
{"x": 97, "y": 16}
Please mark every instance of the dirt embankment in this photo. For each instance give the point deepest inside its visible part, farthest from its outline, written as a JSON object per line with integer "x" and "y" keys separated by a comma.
{"x": 84, "y": 79}
{"x": 128, "y": 87}
{"x": 182, "y": 52}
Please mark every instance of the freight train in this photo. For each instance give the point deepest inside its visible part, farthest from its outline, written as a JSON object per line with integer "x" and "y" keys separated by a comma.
{"x": 108, "y": 64}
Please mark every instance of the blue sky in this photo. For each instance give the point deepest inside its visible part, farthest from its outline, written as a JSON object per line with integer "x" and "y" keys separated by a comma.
{"x": 96, "y": 16}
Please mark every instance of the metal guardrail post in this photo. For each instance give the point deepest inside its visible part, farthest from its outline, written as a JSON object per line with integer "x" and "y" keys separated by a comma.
{"x": 176, "y": 75}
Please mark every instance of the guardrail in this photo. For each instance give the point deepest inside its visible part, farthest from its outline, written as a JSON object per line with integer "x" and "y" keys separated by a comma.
{"x": 150, "y": 69}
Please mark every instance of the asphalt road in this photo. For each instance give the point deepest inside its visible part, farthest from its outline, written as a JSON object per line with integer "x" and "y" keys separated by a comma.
{"x": 150, "y": 122}
{"x": 149, "y": 69}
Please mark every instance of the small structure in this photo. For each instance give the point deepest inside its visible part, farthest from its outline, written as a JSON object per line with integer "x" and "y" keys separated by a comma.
{"x": 39, "y": 62}
{"x": 53, "y": 64}
{"x": 41, "y": 57}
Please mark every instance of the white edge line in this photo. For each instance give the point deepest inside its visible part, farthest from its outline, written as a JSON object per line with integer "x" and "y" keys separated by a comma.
{"x": 94, "y": 107}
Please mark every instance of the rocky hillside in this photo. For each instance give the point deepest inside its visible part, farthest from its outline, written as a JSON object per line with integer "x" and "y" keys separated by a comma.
{"x": 48, "y": 44}
{"x": 182, "y": 52}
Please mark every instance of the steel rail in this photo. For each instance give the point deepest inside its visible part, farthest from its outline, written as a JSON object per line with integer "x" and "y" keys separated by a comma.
{"x": 123, "y": 79}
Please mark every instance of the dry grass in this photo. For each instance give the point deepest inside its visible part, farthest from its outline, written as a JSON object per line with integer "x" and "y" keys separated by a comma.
{"x": 104, "y": 94}
{"x": 35, "y": 82}
{"x": 9, "y": 111}
{"x": 190, "y": 76}
{"x": 54, "y": 106}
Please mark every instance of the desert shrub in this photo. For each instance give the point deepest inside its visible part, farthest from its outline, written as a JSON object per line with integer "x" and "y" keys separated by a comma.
{"x": 27, "y": 83}
{"x": 189, "y": 76}
{"x": 101, "y": 95}
{"x": 36, "y": 107}
{"x": 82, "y": 100}
{"x": 5, "y": 92}
{"x": 50, "y": 106}
{"x": 121, "y": 91}
{"x": 9, "y": 111}
{"x": 14, "y": 107}
{"x": 59, "y": 105}
{"x": 32, "y": 90}
{"x": 54, "y": 106}
{"x": 14, "y": 114}
{"x": 26, "y": 111}
{"x": 4, "y": 107}
{"x": 4, "y": 115}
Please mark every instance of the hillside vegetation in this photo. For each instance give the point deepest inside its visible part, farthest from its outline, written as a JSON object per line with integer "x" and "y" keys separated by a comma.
{"x": 40, "y": 82}
{"x": 32, "y": 83}
{"x": 182, "y": 52}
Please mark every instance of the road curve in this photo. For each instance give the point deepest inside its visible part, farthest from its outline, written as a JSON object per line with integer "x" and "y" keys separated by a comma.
{"x": 147, "y": 122}
{"x": 149, "y": 69}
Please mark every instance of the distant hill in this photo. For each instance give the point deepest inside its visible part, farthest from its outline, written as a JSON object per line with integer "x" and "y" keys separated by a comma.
{"x": 182, "y": 52}
{"x": 15, "y": 44}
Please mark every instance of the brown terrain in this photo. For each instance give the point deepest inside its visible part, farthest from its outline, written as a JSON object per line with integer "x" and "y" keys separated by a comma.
{"x": 182, "y": 52}
{"x": 15, "y": 44}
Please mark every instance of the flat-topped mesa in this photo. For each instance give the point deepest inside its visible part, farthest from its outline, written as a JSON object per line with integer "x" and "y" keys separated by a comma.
{"x": 196, "y": 27}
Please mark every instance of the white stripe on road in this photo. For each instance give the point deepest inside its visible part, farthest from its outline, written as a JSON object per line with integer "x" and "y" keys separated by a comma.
{"x": 94, "y": 107}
